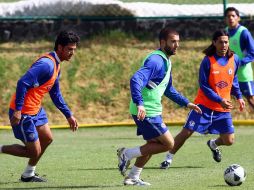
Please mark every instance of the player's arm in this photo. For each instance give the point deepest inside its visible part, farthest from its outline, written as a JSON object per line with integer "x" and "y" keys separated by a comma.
{"x": 247, "y": 45}
{"x": 59, "y": 102}
{"x": 29, "y": 80}
{"x": 140, "y": 80}
{"x": 235, "y": 90}
{"x": 178, "y": 98}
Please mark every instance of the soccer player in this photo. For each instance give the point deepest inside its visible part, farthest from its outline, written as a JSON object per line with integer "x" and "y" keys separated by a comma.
{"x": 148, "y": 85}
{"x": 242, "y": 43}
{"x": 27, "y": 117}
{"x": 217, "y": 81}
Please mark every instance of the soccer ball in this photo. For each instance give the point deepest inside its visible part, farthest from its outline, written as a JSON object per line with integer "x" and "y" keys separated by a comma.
{"x": 234, "y": 175}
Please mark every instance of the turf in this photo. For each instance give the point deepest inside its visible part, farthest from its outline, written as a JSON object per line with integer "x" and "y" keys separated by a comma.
{"x": 87, "y": 160}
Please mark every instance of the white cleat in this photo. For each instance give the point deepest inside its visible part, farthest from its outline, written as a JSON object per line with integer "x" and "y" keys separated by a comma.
{"x": 123, "y": 161}
{"x": 135, "y": 182}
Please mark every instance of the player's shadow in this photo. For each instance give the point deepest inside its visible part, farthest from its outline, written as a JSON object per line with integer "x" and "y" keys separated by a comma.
{"x": 176, "y": 167}
{"x": 64, "y": 187}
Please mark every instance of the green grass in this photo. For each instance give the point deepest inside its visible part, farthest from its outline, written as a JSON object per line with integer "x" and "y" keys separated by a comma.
{"x": 87, "y": 160}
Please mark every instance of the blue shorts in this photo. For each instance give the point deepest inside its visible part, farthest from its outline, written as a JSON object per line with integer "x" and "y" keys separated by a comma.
{"x": 150, "y": 127}
{"x": 247, "y": 88}
{"x": 26, "y": 129}
{"x": 210, "y": 121}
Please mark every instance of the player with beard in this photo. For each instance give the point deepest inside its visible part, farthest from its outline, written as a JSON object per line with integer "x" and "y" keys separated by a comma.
{"x": 217, "y": 82}
{"x": 147, "y": 86}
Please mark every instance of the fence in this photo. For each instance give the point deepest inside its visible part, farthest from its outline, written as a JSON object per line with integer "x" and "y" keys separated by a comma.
{"x": 124, "y": 9}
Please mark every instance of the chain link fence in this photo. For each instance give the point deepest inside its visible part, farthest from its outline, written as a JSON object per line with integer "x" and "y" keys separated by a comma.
{"x": 120, "y": 9}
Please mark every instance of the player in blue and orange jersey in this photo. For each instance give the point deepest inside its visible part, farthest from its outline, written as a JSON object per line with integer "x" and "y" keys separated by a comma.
{"x": 27, "y": 117}
{"x": 217, "y": 81}
{"x": 148, "y": 85}
{"x": 242, "y": 43}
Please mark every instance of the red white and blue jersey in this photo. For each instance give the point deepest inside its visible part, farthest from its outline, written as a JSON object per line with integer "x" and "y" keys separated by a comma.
{"x": 41, "y": 78}
{"x": 217, "y": 80}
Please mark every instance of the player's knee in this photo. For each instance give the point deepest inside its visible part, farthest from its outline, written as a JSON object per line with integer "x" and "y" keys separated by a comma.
{"x": 169, "y": 145}
{"x": 34, "y": 153}
{"x": 229, "y": 141}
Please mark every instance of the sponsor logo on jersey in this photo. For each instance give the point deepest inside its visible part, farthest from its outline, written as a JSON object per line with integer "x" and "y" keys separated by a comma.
{"x": 222, "y": 84}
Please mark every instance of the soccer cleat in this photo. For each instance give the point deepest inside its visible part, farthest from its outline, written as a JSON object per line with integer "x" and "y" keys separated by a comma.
{"x": 165, "y": 165}
{"x": 34, "y": 178}
{"x": 123, "y": 162}
{"x": 216, "y": 152}
{"x": 137, "y": 182}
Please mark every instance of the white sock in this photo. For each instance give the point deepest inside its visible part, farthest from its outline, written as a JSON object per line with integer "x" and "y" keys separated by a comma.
{"x": 212, "y": 144}
{"x": 29, "y": 171}
{"x": 1, "y": 146}
{"x": 133, "y": 153}
{"x": 169, "y": 157}
{"x": 135, "y": 172}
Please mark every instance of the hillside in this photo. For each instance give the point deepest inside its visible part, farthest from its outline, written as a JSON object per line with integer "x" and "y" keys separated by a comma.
{"x": 95, "y": 84}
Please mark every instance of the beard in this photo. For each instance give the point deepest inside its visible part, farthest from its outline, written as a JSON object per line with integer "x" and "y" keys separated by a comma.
{"x": 169, "y": 51}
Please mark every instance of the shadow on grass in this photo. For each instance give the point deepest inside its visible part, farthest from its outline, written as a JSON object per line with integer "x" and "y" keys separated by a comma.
{"x": 63, "y": 187}
{"x": 215, "y": 186}
{"x": 146, "y": 168}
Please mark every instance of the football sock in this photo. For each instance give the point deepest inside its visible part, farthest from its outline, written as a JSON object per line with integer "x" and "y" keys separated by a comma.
{"x": 212, "y": 144}
{"x": 29, "y": 171}
{"x": 133, "y": 153}
{"x": 169, "y": 157}
{"x": 135, "y": 172}
{"x": 1, "y": 146}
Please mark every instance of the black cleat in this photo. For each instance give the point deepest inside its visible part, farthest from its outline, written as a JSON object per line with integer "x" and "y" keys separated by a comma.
{"x": 165, "y": 165}
{"x": 34, "y": 178}
{"x": 216, "y": 152}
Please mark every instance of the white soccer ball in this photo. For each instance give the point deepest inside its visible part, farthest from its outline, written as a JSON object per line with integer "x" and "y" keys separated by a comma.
{"x": 234, "y": 175}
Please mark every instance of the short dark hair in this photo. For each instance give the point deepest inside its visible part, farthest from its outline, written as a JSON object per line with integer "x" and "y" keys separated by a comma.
{"x": 165, "y": 32}
{"x": 230, "y": 9}
{"x": 211, "y": 50}
{"x": 65, "y": 37}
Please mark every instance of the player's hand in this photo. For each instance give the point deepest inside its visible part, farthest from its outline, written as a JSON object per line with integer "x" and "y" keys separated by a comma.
{"x": 241, "y": 103}
{"x": 194, "y": 107}
{"x": 141, "y": 113}
{"x": 226, "y": 104}
{"x": 73, "y": 123}
{"x": 16, "y": 117}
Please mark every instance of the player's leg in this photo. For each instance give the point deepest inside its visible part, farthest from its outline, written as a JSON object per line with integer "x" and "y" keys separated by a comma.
{"x": 179, "y": 142}
{"x": 160, "y": 144}
{"x": 222, "y": 124}
{"x": 45, "y": 138}
{"x": 193, "y": 123}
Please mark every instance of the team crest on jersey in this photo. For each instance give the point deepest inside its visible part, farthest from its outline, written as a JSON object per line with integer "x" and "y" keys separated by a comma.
{"x": 230, "y": 71}
{"x": 191, "y": 123}
{"x": 31, "y": 136}
{"x": 234, "y": 42}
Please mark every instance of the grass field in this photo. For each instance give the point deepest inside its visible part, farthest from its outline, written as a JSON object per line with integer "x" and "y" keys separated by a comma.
{"x": 87, "y": 160}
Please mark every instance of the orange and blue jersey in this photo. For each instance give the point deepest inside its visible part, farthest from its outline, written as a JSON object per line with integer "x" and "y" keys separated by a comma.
{"x": 218, "y": 80}
{"x": 41, "y": 78}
